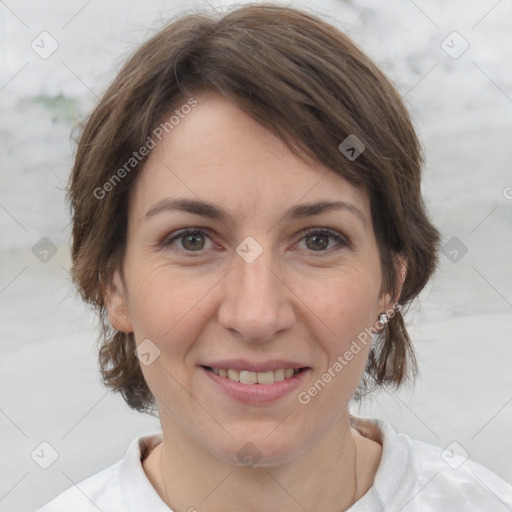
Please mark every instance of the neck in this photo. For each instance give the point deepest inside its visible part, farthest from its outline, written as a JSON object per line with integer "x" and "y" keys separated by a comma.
{"x": 323, "y": 477}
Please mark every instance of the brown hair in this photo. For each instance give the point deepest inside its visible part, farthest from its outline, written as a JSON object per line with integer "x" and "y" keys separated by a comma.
{"x": 311, "y": 86}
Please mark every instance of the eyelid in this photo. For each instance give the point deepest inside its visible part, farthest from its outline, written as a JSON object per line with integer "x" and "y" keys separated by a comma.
{"x": 336, "y": 235}
{"x": 176, "y": 235}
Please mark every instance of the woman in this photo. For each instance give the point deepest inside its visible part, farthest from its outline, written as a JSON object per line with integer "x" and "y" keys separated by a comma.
{"x": 248, "y": 221}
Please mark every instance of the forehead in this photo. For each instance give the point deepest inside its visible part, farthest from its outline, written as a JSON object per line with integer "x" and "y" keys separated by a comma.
{"x": 219, "y": 153}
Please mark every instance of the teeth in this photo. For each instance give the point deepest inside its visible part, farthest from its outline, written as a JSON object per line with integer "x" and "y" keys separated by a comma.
{"x": 278, "y": 375}
{"x": 247, "y": 377}
{"x": 234, "y": 375}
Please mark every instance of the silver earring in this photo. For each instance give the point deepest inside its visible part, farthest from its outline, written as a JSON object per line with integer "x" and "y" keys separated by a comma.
{"x": 383, "y": 318}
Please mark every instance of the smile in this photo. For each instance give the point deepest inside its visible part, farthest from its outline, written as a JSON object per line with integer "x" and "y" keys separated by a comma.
{"x": 255, "y": 388}
{"x": 248, "y": 377}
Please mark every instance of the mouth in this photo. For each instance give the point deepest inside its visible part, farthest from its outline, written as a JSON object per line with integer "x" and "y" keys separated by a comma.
{"x": 249, "y": 377}
{"x": 255, "y": 388}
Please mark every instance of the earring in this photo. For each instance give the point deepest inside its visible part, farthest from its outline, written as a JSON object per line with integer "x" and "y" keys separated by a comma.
{"x": 383, "y": 318}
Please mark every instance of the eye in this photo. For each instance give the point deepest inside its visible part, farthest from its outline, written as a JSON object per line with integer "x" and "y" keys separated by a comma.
{"x": 194, "y": 240}
{"x": 190, "y": 240}
{"x": 319, "y": 240}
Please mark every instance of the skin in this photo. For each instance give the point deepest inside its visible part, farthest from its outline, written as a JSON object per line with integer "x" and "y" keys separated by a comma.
{"x": 298, "y": 300}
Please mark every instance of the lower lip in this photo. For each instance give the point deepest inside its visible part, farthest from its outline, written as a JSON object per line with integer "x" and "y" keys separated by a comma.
{"x": 257, "y": 393}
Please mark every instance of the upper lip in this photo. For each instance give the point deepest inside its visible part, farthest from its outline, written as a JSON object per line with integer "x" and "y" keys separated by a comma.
{"x": 253, "y": 366}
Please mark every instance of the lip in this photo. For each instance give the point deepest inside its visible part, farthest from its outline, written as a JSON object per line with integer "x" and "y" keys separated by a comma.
{"x": 255, "y": 394}
{"x": 252, "y": 366}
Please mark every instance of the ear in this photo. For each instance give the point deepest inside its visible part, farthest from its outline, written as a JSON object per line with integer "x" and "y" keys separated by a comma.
{"x": 386, "y": 301}
{"x": 117, "y": 305}
{"x": 401, "y": 267}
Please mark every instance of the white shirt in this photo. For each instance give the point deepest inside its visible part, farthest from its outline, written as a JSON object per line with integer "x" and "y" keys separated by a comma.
{"x": 412, "y": 477}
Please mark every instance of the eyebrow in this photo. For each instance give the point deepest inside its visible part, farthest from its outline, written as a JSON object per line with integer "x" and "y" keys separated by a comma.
{"x": 215, "y": 212}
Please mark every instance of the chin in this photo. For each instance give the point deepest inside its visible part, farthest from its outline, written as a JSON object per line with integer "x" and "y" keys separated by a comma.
{"x": 260, "y": 450}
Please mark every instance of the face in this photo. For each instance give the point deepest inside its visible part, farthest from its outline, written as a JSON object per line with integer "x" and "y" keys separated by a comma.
{"x": 257, "y": 279}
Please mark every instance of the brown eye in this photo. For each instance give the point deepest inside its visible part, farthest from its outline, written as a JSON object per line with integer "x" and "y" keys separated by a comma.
{"x": 193, "y": 241}
{"x": 317, "y": 242}
{"x": 187, "y": 241}
{"x": 321, "y": 241}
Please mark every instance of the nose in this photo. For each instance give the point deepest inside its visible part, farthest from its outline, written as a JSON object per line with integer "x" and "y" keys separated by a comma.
{"x": 257, "y": 303}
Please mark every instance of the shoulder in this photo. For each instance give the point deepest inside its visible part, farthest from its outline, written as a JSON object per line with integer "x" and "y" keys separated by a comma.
{"x": 123, "y": 486}
{"x": 417, "y": 476}
{"x": 89, "y": 494}
{"x": 457, "y": 481}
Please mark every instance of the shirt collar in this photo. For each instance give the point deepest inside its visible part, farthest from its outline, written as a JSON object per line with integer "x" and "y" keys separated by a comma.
{"x": 138, "y": 492}
{"x": 396, "y": 462}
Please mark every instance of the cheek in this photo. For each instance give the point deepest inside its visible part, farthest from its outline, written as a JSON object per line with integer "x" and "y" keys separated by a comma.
{"x": 345, "y": 302}
{"x": 167, "y": 306}
{"x": 347, "y": 308}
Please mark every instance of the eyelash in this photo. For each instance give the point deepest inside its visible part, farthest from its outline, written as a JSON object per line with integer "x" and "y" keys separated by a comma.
{"x": 340, "y": 240}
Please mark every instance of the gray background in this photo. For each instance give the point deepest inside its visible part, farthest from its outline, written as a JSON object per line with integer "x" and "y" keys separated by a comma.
{"x": 461, "y": 326}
